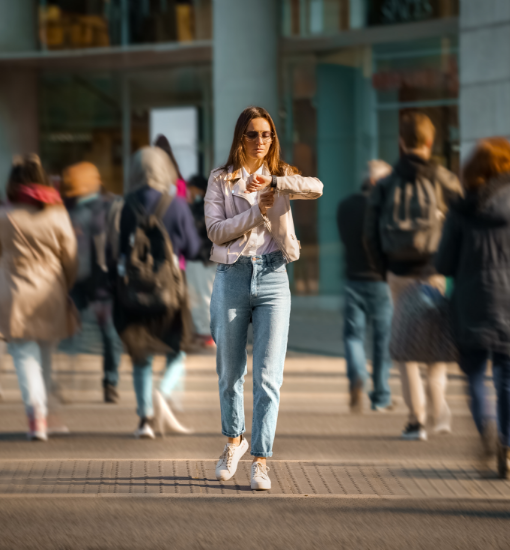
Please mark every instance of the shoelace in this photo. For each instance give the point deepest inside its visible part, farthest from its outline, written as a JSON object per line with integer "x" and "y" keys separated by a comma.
{"x": 227, "y": 455}
{"x": 260, "y": 470}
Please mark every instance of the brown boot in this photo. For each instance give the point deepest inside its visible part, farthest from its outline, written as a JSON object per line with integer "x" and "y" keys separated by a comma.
{"x": 356, "y": 403}
{"x": 111, "y": 395}
{"x": 503, "y": 459}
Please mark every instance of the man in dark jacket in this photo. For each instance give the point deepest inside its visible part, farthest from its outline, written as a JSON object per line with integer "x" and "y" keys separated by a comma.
{"x": 89, "y": 209}
{"x": 367, "y": 298}
{"x": 402, "y": 230}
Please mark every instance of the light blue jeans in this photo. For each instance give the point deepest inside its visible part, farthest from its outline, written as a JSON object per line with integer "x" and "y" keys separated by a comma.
{"x": 254, "y": 289}
{"x": 142, "y": 381}
{"x": 32, "y": 361}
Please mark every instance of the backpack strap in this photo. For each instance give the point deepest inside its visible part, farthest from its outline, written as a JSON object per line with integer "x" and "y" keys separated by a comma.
{"x": 136, "y": 207}
{"x": 162, "y": 207}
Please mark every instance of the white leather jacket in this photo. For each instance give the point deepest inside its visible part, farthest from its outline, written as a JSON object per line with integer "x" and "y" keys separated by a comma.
{"x": 230, "y": 217}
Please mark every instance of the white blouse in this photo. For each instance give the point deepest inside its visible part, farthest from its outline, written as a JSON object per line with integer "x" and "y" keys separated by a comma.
{"x": 260, "y": 241}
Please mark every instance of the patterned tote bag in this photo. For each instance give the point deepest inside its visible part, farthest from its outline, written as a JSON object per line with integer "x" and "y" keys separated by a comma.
{"x": 422, "y": 330}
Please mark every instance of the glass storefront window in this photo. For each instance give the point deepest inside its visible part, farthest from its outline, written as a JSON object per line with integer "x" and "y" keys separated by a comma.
{"x": 74, "y": 24}
{"x": 342, "y": 109}
{"x": 81, "y": 116}
{"x": 326, "y": 17}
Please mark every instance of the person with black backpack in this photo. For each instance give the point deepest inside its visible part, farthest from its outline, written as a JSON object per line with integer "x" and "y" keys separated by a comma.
{"x": 403, "y": 227}
{"x": 90, "y": 211}
{"x": 151, "y": 311}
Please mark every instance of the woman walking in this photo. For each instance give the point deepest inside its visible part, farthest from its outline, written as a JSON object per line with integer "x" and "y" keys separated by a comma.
{"x": 249, "y": 221}
{"x": 475, "y": 251}
{"x": 37, "y": 268}
{"x": 152, "y": 192}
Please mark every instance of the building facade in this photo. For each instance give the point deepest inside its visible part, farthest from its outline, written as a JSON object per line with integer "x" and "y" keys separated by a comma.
{"x": 95, "y": 79}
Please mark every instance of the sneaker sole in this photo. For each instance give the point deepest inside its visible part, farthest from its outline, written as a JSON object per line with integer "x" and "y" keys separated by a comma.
{"x": 260, "y": 486}
{"x": 222, "y": 478}
{"x": 413, "y": 438}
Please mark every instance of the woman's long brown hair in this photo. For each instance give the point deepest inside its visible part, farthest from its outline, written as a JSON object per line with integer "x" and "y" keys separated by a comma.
{"x": 237, "y": 157}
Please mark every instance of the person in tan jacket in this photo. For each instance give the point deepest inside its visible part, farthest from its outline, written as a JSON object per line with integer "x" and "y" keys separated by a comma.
{"x": 37, "y": 268}
{"x": 249, "y": 221}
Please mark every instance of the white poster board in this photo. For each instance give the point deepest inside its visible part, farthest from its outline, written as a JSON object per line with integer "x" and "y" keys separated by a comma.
{"x": 180, "y": 126}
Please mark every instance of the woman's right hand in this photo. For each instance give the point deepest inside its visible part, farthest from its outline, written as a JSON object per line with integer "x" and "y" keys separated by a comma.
{"x": 266, "y": 201}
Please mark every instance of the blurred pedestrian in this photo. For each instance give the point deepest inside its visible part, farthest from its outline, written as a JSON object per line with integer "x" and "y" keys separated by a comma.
{"x": 37, "y": 268}
{"x": 367, "y": 299}
{"x": 89, "y": 210}
{"x": 249, "y": 221}
{"x": 403, "y": 226}
{"x": 152, "y": 218}
{"x": 180, "y": 184}
{"x": 475, "y": 251}
{"x": 200, "y": 273}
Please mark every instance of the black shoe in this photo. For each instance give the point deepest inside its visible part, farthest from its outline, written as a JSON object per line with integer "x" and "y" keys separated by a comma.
{"x": 503, "y": 459}
{"x": 111, "y": 395}
{"x": 414, "y": 432}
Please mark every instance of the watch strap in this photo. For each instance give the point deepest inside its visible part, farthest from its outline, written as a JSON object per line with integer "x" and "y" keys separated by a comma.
{"x": 274, "y": 182}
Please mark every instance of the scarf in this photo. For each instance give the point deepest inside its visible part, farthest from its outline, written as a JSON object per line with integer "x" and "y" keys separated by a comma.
{"x": 37, "y": 195}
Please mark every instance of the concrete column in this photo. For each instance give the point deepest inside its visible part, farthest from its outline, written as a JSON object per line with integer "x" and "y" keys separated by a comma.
{"x": 245, "y": 64}
{"x": 19, "y": 125}
{"x": 484, "y": 70}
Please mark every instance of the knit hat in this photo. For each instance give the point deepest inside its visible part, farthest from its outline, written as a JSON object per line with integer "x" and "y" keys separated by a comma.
{"x": 80, "y": 179}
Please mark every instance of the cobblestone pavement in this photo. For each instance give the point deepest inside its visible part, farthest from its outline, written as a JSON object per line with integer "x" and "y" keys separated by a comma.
{"x": 339, "y": 480}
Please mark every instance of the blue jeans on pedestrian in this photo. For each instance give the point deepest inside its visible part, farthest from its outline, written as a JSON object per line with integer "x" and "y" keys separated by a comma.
{"x": 142, "y": 381}
{"x": 474, "y": 364}
{"x": 112, "y": 347}
{"x": 365, "y": 302}
{"x": 253, "y": 289}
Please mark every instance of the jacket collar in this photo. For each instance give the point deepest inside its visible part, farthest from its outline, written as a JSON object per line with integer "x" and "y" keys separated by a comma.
{"x": 238, "y": 174}
{"x": 409, "y": 166}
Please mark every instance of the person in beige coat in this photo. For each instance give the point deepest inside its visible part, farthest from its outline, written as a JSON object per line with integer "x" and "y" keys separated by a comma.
{"x": 37, "y": 268}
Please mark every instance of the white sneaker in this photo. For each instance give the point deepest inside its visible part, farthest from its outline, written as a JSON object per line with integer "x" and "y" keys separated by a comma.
{"x": 37, "y": 436}
{"x": 442, "y": 428}
{"x": 229, "y": 459}
{"x": 144, "y": 431}
{"x": 414, "y": 432}
{"x": 259, "y": 479}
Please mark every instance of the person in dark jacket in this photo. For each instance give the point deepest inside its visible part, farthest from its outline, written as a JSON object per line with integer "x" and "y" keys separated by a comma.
{"x": 415, "y": 173}
{"x": 367, "y": 299}
{"x": 88, "y": 209}
{"x": 200, "y": 273}
{"x": 475, "y": 251}
{"x": 151, "y": 175}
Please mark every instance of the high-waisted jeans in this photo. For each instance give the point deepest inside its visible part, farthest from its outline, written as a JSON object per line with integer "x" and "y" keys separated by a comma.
{"x": 256, "y": 289}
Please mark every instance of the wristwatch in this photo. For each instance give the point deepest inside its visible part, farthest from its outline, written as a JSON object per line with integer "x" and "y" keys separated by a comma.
{"x": 273, "y": 182}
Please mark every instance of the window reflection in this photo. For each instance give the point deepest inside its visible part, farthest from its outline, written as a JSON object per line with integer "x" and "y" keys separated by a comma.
{"x": 324, "y": 17}
{"x": 73, "y": 24}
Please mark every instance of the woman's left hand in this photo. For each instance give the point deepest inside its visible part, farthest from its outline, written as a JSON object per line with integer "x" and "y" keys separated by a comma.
{"x": 257, "y": 183}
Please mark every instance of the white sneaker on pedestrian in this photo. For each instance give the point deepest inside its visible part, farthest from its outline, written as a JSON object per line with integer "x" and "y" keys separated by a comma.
{"x": 414, "y": 432}
{"x": 259, "y": 479}
{"x": 144, "y": 430}
{"x": 444, "y": 422}
{"x": 229, "y": 459}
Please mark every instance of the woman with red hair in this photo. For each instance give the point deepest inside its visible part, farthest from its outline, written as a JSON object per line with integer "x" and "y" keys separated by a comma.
{"x": 475, "y": 251}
